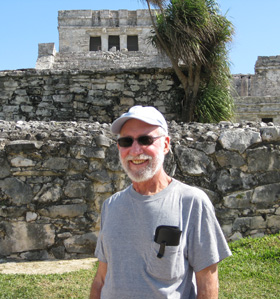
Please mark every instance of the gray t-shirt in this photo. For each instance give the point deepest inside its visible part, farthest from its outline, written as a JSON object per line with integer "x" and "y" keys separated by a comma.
{"x": 126, "y": 242}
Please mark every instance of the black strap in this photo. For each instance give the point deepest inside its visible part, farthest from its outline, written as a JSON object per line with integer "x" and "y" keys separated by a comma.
{"x": 161, "y": 249}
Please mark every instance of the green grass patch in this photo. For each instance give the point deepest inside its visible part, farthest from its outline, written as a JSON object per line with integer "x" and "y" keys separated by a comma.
{"x": 252, "y": 272}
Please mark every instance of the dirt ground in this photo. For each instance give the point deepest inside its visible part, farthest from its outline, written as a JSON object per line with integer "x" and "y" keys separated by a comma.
{"x": 45, "y": 267}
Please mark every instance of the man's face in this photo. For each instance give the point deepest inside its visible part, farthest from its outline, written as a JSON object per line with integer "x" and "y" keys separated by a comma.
{"x": 142, "y": 162}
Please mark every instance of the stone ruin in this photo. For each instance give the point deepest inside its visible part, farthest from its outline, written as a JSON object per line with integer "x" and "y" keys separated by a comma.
{"x": 59, "y": 160}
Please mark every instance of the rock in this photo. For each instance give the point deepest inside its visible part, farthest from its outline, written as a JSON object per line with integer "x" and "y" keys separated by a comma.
{"x": 239, "y": 139}
{"x": 18, "y": 192}
{"x": 21, "y": 236}
{"x": 30, "y": 216}
{"x": 62, "y": 211}
{"x": 81, "y": 244}
{"x": 191, "y": 161}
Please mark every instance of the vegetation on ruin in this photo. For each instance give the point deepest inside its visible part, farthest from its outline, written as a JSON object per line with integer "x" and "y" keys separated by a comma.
{"x": 195, "y": 36}
{"x": 253, "y": 271}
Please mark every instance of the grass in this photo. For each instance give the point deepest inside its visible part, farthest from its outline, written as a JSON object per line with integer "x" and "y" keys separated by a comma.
{"x": 252, "y": 272}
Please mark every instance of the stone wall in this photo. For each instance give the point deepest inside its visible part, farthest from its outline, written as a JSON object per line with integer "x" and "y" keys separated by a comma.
{"x": 86, "y": 95}
{"x": 54, "y": 177}
{"x": 258, "y": 96}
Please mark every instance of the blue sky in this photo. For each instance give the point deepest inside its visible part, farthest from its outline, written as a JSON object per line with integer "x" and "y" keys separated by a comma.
{"x": 25, "y": 23}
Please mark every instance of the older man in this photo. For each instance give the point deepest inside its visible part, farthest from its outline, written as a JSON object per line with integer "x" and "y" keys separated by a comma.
{"x": 159, "y": 237}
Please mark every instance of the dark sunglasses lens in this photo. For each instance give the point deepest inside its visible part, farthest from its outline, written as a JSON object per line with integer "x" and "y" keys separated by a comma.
{"x": 125, "y": 141}
{"x": 145, "y": 140}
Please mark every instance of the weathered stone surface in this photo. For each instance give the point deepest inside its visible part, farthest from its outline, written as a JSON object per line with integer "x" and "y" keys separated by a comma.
{"x": 266, "y": 196}
{"x": 79, "y": 189}
{"x": 56, "y": 163}
{"x": 229, "y": 159}
{"x": 22, "y": 162}
{"x": 21, "y": 236}
{"x": 59, "y": 187}
{"x": 238, "y": 200}
{"x": 263, "y": 159}
{"x": 270, "y": 134}
{"x": 62, "y": 211}
{"x": 18, "y": 192}
{"x": 30, "y": 216}
{"x": 191, "y": 161}
{"x": 49, "y": 193}
{"x": 4, "y": 169}
{"x": 81, "y": 244}
{"x": 239, "y": 139}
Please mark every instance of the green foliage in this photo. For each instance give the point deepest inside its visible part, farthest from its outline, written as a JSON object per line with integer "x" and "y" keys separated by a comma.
{"x": 195, "y": 36}
{"x": 253, "y": 271}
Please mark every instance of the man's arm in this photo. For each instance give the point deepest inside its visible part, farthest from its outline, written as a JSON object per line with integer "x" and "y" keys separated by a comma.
{"x": 207, "y": 283}
{"x": 98, "y": 281}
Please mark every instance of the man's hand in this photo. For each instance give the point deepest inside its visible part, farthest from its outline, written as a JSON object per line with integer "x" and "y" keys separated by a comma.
{"x": 207, "y": 283}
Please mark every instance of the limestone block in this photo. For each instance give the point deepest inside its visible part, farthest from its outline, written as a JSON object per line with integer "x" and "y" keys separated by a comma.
{"x": 102, "y": 140}
{"x": 4, "y": 169}
{"x": 270, "y": 134}
{"x": 207, "y": 147}
{"x": 263, "y": 159}
{"x": 31, "y": 216}
{"x": 18, "y": 192}
{"x": 239, "y": 139}
{"x": 64, "y": 211}
{"x": 103, "y": 188}
{"x": 56, "y": 163}
{"x": 191, "y": 161}
{"x": 48, "y": 193}
{"x": 267, "y": 195}
{"x": 228, "y": 181}
{"x": 35, "y": 255}
{"x": 115, "y": 86}
{"x": 236, "y": 236}
{"x": 100, "y": 176}
{"x": 91, "y": 152}
{"x": 22, "y": 236}
{"x": 79, "y": 189}
{"x": 81, "y": 244}
{"x": 112, "y": 161}
{"x": 23, "y": 146}
{"x": 274, "y": 223}
{"x": 238, "y": 200}
{"x": 22, "y": 162}
{"x": 77, "y": 165}
{"x": 165, "y": 85}
{"x": 229, "y": 159}
{"x": 249, "y": 223}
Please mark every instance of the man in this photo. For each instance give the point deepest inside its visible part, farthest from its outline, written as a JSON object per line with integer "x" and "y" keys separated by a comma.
{"x": 159, "y": 238}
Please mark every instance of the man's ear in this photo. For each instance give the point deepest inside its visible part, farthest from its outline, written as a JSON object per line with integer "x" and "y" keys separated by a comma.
{"x": 166, "y": 145}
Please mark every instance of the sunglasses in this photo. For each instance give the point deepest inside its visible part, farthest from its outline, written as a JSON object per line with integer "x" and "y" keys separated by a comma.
{"x": 142, "y": 140}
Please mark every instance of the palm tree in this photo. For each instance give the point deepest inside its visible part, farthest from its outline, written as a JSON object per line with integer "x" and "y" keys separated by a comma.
{"x": 194, "y": 35}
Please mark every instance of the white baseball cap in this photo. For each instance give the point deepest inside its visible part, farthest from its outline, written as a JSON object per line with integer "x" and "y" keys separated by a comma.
{"x": 149, "y": 115}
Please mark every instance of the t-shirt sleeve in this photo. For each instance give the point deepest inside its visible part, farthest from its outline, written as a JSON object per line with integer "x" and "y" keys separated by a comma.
{"x": 99, "y": 250}
{"x": 206, "y": 242}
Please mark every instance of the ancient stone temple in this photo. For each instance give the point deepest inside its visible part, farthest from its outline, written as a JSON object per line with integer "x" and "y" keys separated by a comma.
{"x": 118, "y": 40}
{"x": 258, "y": 96}
{"x": 103, "y": 39}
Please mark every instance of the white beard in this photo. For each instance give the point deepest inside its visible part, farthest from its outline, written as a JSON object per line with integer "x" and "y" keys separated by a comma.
{"x": 145, "y": 173}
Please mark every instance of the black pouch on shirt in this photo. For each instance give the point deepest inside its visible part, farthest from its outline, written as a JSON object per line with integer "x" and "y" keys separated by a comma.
{"x": 167, "y": 236}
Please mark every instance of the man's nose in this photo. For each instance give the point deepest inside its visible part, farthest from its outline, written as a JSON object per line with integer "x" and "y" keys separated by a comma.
{"x": 136, "y": 148}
